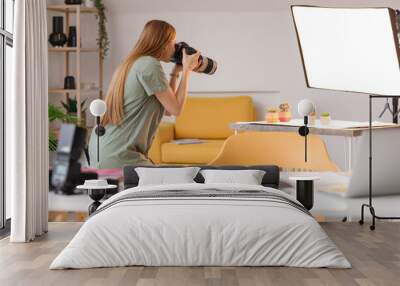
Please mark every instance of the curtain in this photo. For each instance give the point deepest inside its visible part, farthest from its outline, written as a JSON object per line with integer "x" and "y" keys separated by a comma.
{"x": 27, "y": 122}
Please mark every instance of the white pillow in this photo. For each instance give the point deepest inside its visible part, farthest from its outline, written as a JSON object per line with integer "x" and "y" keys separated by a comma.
{"x": 248, "y": 177}
{"x": 163, "y": 176}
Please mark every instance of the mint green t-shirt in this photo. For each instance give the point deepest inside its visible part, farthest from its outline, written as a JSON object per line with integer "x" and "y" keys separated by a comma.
{"x": 129, "y": 142}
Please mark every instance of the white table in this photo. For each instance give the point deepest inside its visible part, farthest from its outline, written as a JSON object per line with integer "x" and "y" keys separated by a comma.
{"x": 347, "y": 129}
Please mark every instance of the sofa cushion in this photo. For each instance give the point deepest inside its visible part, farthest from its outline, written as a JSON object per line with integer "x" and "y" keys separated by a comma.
{"x": 202, "y": 153}
{"x": 210, "y": 117}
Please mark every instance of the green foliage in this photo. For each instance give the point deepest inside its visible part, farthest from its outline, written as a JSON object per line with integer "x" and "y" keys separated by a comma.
{"x": 52, "y": 141}
{"x": 102, "y": 37}
{"x": 56, "y": 113}
{"x": 71, "y": 105}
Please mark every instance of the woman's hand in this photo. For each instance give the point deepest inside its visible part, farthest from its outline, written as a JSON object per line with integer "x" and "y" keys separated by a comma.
{"x": 190, "y": 62}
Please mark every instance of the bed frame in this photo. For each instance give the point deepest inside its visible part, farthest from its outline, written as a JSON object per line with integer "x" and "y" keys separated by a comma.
{"x": 270, "y": 179}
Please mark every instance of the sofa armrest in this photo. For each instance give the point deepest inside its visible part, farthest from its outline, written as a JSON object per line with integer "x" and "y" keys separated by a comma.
{"x": 165, "y": 133}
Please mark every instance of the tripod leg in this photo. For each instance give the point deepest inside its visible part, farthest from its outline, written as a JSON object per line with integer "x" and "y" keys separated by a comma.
{"x": 372, "y": 210}
{"x": 361, "y": 221}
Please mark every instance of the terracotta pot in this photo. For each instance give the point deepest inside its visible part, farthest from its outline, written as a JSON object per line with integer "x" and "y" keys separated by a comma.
{"x": 285, "y": 116}
{"x": 272, "y": 117}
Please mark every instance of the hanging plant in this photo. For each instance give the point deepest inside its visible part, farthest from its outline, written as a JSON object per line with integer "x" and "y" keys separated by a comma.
{"x": 102, "y": 37}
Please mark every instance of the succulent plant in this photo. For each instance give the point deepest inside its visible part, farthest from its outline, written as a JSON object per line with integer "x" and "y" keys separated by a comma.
{"x": 284, "y": 107}
{"x": 272, "y": 109}
{"x": 71, "y": 106}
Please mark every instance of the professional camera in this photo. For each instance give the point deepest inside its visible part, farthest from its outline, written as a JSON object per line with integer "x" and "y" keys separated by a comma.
{"x": 206, "y": 65}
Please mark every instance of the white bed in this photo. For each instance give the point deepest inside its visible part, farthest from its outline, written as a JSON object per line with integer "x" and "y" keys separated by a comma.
{"x": 208, "y": 230}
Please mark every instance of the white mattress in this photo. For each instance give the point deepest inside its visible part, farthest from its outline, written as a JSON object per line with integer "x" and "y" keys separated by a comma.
{"x": 200, "y": 231}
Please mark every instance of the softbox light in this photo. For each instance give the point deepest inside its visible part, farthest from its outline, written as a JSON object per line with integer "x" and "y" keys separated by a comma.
{"x": 349, "y": 49}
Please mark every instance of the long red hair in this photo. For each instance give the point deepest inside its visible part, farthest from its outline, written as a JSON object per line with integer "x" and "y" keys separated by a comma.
{"x": 152, "y": 42}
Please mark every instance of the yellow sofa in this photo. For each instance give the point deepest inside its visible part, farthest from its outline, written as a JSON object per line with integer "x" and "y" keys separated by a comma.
{"x": 205, "y": 118}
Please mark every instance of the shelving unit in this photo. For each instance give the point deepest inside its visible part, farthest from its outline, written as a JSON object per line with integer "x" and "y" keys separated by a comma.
{"x": 61, "y": 90}
{"x": 70, "y": 9}
{"x": 77, "y": 10}
{"x": 73, "y": 50}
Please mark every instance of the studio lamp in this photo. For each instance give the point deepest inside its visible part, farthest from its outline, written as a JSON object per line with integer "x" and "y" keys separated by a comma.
{"x": 304, "y": 108}
{"x": 98, "y": 108}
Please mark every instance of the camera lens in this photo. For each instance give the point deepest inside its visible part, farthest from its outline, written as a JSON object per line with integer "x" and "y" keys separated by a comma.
{"x": 206, "y": 65}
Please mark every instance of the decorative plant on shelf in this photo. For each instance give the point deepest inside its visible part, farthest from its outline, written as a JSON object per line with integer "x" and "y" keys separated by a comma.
{"x": 56, "y": 113}
{"x": 102, "y": 37}
{"x": 284, "y": 112}
{"x": 272, "y": 115}
{"x": 71, "y": 108}
{"x": 325, "y": 117}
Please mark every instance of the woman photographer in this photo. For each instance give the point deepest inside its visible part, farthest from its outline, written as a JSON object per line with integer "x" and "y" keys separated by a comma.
{"x": 138, "y": 96}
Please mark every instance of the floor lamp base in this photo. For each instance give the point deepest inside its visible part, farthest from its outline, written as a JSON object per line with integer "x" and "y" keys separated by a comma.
{"x": 374, "y": 216}
{"x": 371, "y": 208}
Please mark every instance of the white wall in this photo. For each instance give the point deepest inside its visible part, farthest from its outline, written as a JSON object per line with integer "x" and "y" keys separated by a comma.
{"x": 253, "y": 41}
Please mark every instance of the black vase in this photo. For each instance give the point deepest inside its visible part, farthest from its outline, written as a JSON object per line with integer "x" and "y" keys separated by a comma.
{"x": 69, "y": 82}
{"x": 72, "y": 42}
{"x": 58, "y": 38}
{"x": 73, "y": 2}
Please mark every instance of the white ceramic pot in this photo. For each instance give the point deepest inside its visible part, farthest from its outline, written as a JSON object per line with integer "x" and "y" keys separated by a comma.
{"x": 325, "y": 120}
{"x": 89, "y": 3}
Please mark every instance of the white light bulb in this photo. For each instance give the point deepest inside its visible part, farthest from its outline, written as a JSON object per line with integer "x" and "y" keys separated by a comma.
{"x": 98, "y": 107}
{"x": 305, "y": 107}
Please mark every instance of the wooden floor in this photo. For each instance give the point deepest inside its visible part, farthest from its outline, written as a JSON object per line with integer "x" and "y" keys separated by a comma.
{"x": 375, "y": 257}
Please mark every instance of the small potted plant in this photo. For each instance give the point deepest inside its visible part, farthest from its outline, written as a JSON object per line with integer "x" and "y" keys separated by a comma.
{"x": 325, "y": 118}
{"x": 284, "y": 112}
{"x": 71, "y": 108}
{"x": 272, "y": 115}
{"x": 56, "y": 115}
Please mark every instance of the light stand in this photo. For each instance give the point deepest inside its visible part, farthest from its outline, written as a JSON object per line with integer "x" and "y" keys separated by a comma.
{"x": 369, "y": 205}
{"x": 305, "y": 107}
{"x": 330, "y": 63}
{"x": 303, "y": 131}
{"x": 100, "y": 131}
{"x": 98, "y": 108}
{"x": 395, "y": 107}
